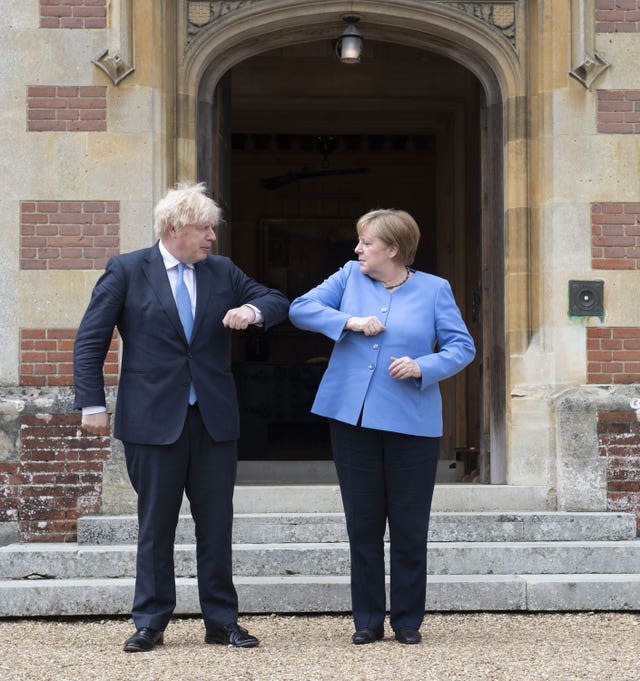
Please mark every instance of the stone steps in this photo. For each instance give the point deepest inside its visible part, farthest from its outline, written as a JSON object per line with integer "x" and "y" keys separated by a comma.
{"x": 446, "y": 497}
{"x": 257, "y": 528}
{"x": 286, "y": 561}
{"x": 66, "y": 561}
{"x": 318, "y": 593}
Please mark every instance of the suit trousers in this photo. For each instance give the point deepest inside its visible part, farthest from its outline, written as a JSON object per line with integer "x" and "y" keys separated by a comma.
{"x": 161, "y": 474}
{"x": 386, "y": 476}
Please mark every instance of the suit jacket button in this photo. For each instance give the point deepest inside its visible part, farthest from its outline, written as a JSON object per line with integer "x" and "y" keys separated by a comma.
{"x": 372, "y": 366}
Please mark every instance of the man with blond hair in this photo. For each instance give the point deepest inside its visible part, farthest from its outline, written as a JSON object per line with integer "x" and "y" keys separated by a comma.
{"x": 174, "y": 305}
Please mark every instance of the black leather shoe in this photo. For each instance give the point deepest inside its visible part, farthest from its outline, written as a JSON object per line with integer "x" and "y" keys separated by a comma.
{"x": 144, "y": 640}
{"x": 409, "y": 636}
{"x": 231, "y": 635}
{"x": 363, "y": 636}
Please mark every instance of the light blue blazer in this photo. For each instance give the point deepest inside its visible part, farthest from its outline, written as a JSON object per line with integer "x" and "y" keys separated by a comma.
{"x": 422, "y": 321}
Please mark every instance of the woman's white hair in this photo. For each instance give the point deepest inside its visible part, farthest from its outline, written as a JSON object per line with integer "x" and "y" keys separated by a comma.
{"x": 185, "y": 205}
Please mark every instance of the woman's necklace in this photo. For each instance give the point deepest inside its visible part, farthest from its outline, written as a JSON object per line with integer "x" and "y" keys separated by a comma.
{"x": 390, "y": 286}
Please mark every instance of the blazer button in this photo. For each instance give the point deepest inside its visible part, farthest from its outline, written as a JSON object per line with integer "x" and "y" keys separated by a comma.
{"x": 189, "y": 355}
{"x": 372, "y": 366}
{"x": 383, "y": 309}
{"x": 375, "y": 346}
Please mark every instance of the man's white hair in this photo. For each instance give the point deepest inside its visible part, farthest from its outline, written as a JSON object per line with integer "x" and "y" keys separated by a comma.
{"x": 185, "y": 205}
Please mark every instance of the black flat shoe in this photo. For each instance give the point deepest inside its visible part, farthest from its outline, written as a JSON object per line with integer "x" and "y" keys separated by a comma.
{"x": 144, "y": 640}
{"x": 363, "y": 636}
{"x": 408, "y": 636}
{"x": 231, "y": 635}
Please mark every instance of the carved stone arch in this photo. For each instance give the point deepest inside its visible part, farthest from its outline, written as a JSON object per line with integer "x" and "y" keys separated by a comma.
{"x": 446, "y": 28}
{"x": 450, "y": 29}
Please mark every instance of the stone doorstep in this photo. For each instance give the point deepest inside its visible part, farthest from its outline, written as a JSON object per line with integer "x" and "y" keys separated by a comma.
{"x": 256, "y": 528}
{"x": 462, "y": 593}
{"x": 324, "y": 498}
{"x": 446, "y": 497}
{"x": 45, "y": 562}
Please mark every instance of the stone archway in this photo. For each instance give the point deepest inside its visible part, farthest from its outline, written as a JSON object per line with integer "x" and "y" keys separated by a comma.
{"x": 463, "y": 32}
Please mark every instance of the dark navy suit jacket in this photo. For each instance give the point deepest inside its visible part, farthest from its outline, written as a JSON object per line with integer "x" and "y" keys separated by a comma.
{"x": 158, "y": 365}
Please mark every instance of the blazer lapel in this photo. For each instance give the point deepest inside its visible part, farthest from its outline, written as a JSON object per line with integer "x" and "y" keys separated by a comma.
{"x": 204, "y": 287}
{"x": 156, "y": 274}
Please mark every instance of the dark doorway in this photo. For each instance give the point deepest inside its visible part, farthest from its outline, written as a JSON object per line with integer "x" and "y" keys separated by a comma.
{"x": 314, "y": 144}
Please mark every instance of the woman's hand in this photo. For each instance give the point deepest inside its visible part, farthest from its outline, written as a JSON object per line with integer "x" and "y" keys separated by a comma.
{"x": 369, "y": 326}
{"x": 404, "y": 367}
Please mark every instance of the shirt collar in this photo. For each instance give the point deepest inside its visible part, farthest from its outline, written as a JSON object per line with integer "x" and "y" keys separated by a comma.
{"x": 169, "y": 260}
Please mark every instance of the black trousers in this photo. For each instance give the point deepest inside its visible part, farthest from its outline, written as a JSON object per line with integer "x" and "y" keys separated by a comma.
{"x": 386, "y": 476}
{"x": 206, "y": 471}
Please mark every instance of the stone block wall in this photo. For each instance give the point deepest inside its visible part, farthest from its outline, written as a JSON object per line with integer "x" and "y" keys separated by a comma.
{"x": 613, "y": 352}
{"x": 61, "y": 102}
{"x": 62, "y": 214}
{"x": 619, "y": 444}
{"x": 51, "y": 473}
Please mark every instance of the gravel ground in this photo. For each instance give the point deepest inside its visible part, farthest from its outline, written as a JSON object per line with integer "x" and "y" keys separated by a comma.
{"x": 473, "y": 647}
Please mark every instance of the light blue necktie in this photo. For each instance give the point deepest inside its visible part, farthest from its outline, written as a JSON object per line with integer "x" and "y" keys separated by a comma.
{"x": 183, "y": 302}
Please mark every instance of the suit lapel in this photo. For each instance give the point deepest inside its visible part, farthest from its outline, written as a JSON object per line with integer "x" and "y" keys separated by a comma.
{"x": 156, "y": 274}
{"x": 204, "y": 287}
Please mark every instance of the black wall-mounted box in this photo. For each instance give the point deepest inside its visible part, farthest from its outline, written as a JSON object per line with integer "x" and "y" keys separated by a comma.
{"x": 586, "y": 298}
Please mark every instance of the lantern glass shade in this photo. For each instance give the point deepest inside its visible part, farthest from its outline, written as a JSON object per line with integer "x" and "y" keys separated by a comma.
{"x": 349, "y": 45}
{"x": 350, "y": 49}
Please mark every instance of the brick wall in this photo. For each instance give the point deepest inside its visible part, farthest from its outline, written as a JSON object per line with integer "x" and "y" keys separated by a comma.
{"x": 72, "y": 108}
{"x": 58, "y": 476}
{"x": 57, "y": 479}
{"x": 617, "y": 16}
{"x": 613, "y": 355}
{"x": 619, "y": 442}
{"x": 67, "y": 235}
{"x": 46, "y": 358}
{"x": 615, "y": 236}
{"x": 618, "y": 111}
{"x": 73, "y": 13}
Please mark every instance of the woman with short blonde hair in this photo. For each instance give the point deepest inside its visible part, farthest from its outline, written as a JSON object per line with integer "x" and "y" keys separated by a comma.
{"x": 395, "y": 228}
{"x": 397, "y": 333}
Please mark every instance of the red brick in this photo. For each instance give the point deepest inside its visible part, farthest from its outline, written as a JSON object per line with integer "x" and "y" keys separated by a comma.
{"x": 71, "y": 22}
{"x": 603, "y": 264}
{"x": 93, "y": 91}
{"x": 625, "y": 331}
{"x": 41, "y": 91}
{"x": 33, "y": 333}
{"x": 624, "y": 486}
{"x": 46, "y": 126}
{"x": 92, "y": 114}
{"x": 56, "y": 11}
{"x": 46, "y": 103}
{"x": 95, "y": 23}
